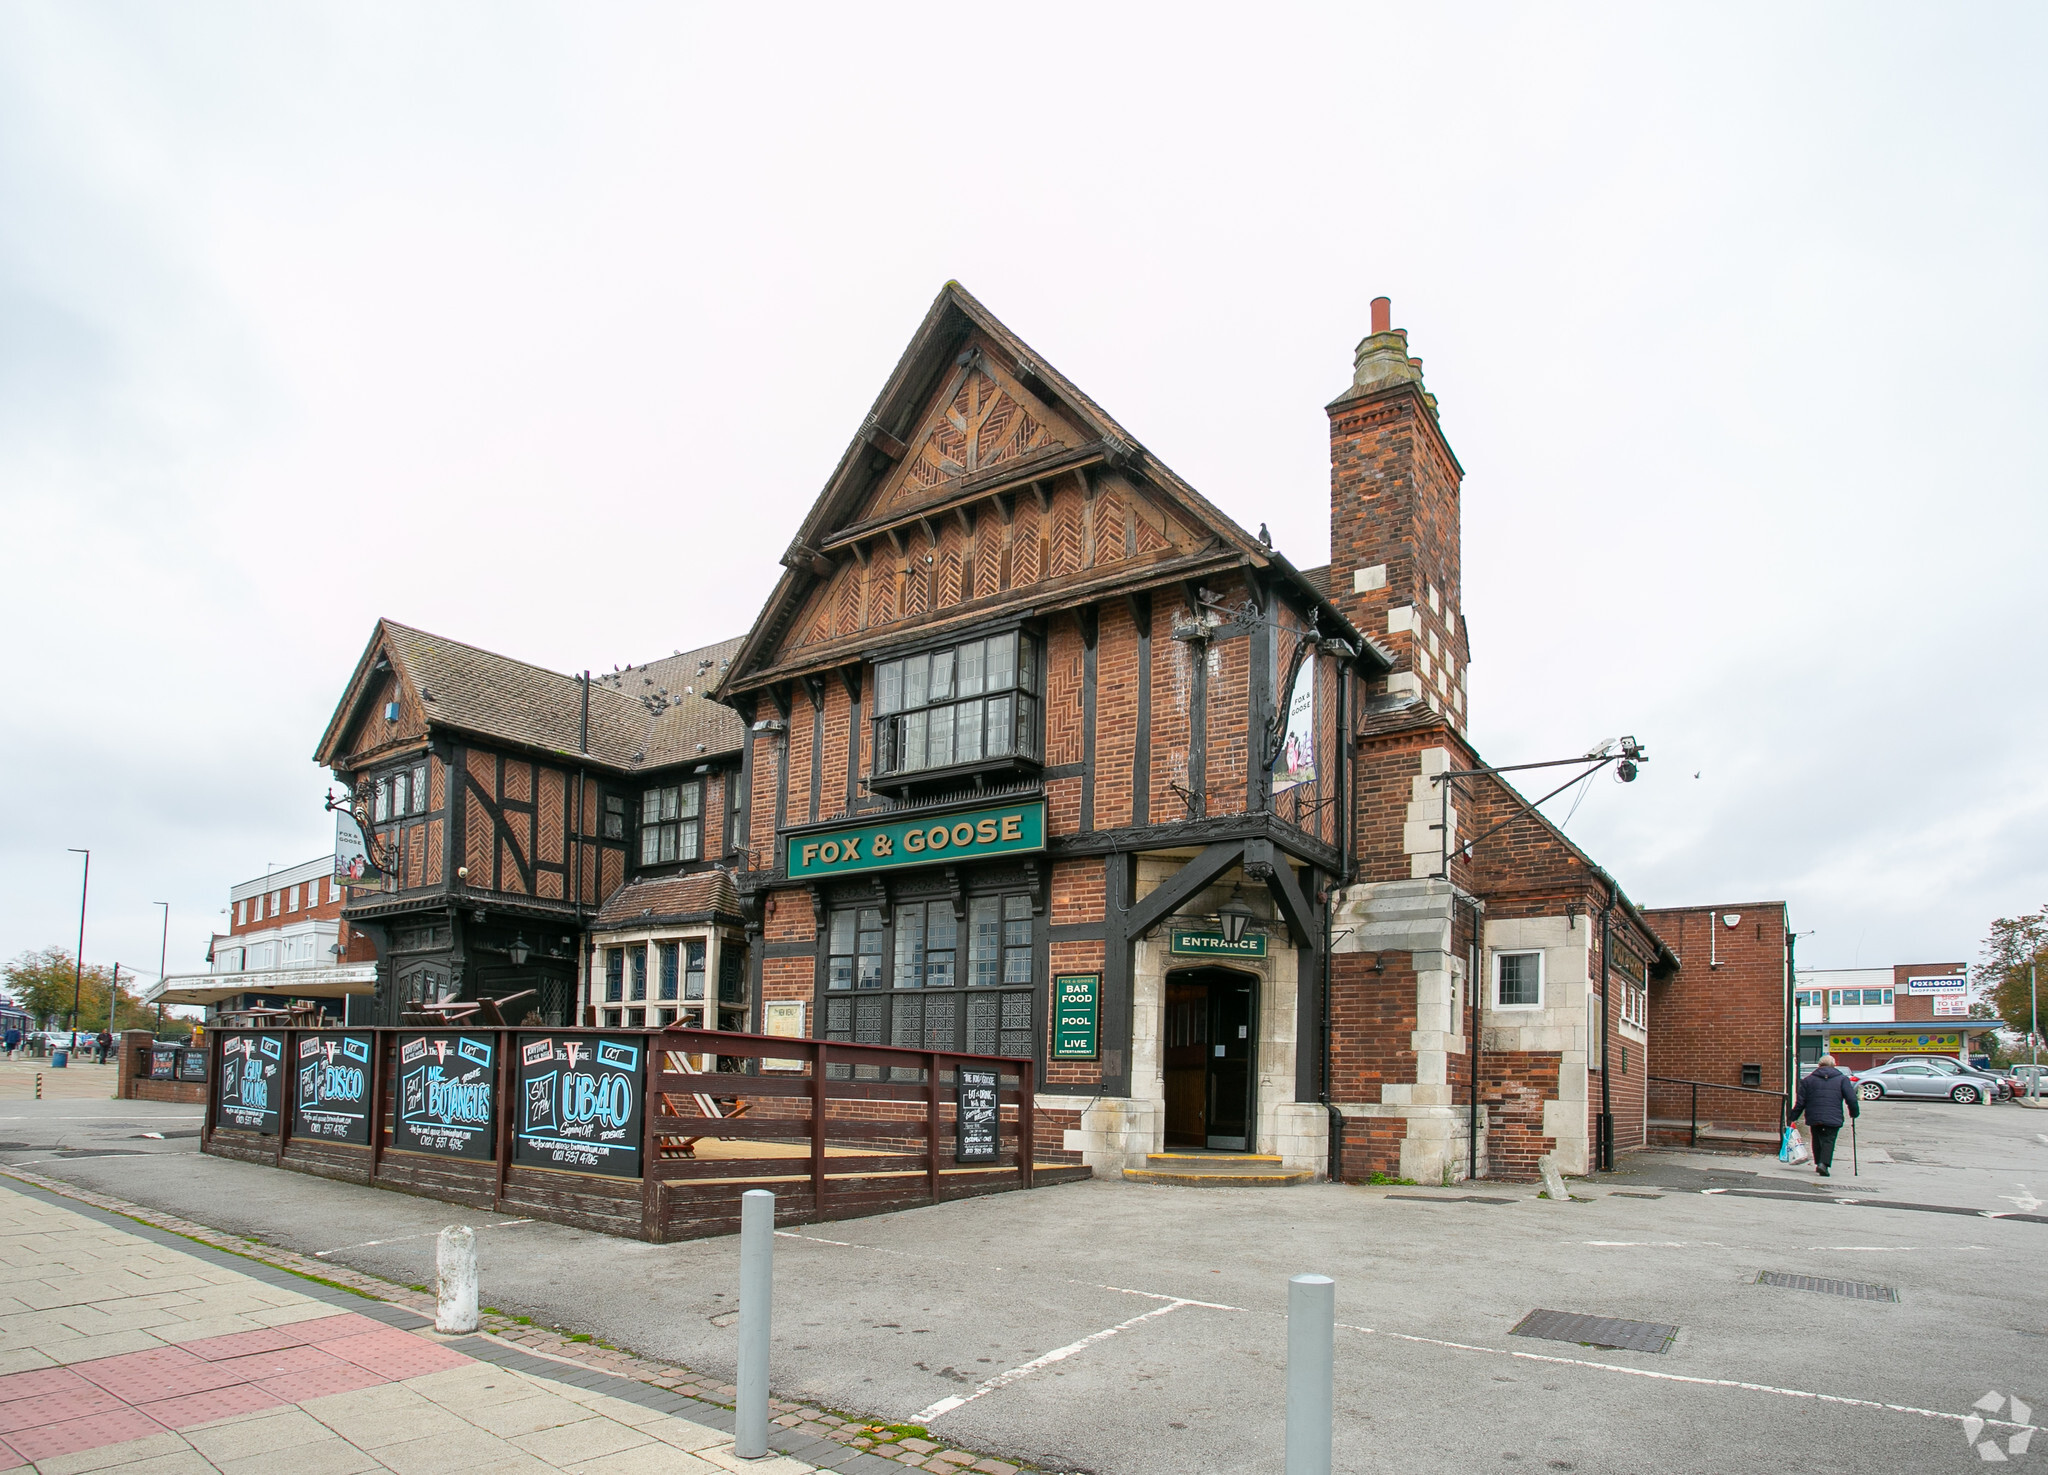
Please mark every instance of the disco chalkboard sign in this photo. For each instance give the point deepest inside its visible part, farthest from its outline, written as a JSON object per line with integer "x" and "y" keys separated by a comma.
{"x": 581, "y": 1102}
{"x": 332, "y": 1101}
{"x": 251, "y": 1082}
{"x": 978, "y": 1122}
{"x": 447, "y": 1095}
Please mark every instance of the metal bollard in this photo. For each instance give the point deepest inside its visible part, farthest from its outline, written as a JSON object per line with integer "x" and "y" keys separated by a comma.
{"x": 1311, "y": 1373}
{"x": 757, "y": 1288}
{"x": 455, "y": 1280}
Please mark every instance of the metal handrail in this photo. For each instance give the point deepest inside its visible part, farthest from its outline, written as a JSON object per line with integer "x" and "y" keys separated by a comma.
{"x": 1694, "y": 1129}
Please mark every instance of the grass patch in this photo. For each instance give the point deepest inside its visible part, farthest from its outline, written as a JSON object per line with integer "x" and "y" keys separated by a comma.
{"x": 580, "y": 1337}
{"x": 1388, "y": 1180}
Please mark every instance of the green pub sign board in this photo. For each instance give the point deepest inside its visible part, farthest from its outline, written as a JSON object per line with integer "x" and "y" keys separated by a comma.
{"x": 1004, "y": 829}
{"x": 1076, "y": 999}
{"x": 1213, "y": 945}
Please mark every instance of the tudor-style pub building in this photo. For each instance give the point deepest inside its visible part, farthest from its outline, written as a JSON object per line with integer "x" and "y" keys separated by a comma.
{"x": 1033, "y": 751}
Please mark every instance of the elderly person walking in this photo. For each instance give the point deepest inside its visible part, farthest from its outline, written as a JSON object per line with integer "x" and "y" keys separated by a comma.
{"x": 1822, "y": 1096}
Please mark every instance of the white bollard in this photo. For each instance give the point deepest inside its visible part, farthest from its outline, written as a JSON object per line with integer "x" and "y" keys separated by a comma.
{"x": 455, "y": 1280}
{"x": 1553, "y": 1180}
{"x": 1311, "y": 1373}
{"x": 757, "y": 1287}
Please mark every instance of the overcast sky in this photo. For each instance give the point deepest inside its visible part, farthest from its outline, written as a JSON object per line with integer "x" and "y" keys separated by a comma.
{"x": 541, "y": 326}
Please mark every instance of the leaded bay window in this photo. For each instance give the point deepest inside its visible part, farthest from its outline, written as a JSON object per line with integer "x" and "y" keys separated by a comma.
{"x": 949, "y": 985}
{"x": 614, "y": 975}
{"x": 668, "y": 979}
{"x": 966, "y": 703}
{"x": 693, "y": 970}
{"x": 671, "y": 824}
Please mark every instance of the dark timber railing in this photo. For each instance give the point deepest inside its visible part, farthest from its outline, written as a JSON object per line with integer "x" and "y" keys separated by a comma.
{"x": 653, "y": 1134}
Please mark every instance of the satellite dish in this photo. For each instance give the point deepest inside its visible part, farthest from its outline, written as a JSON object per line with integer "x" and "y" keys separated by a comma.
{"x": 1731, "y": 918}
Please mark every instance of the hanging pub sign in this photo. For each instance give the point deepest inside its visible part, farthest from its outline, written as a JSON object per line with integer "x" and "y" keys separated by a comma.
{"x": 1216, "y": 945}
{"x": 977, "y": 1123}
{"x": 352, "y": 863}
{"x": 447, "y": 1095}
{"x": 581, "y": 1102}
{"x": 250, "y": 1082}
{"x": 1004, "y": 829}
{"x": 1076, "y": 999}
{"x": 333, "y": 1101}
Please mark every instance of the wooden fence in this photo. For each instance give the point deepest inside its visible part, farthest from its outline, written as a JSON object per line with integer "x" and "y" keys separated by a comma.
{"x": 652, "y": 1134}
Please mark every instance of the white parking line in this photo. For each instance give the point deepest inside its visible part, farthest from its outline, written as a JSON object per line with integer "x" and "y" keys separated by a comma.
{"x": 1058, "y": 1354}
{"x": 402, "y": 1238}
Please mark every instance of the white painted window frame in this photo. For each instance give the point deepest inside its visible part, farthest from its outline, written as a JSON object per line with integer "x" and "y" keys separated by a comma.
{"x": 1542, "y": 979}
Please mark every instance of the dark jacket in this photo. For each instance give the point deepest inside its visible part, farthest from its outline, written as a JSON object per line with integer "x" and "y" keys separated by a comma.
{"x": 1822, "y": 1096}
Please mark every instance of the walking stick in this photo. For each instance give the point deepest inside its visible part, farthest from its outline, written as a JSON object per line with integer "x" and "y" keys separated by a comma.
{"x": 1855, "y": 1153}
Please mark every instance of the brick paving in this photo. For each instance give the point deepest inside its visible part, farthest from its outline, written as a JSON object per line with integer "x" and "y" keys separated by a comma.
{"x": 79, "y": 1081}
{"x": 243, "y": 1359}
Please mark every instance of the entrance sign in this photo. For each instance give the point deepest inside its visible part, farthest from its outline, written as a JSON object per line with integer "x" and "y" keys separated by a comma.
{"x": 1005, "y": 829}
{"x": 333, "y": 1101}
{"x": 581, "y": 1103}
{"x": 1946, "y": 983}
{"x": 447, "y": 1095}
{"x": 1213, "y": 945}
{"x": 250, "y": 1084}
{"x": 975, "y": 1135}
{"x": 1076, "y": 1000}
{"x": 1945, "y": 1043}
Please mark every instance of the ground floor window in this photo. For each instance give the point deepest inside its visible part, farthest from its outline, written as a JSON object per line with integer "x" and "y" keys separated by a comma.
{"x": 921, "y": 977}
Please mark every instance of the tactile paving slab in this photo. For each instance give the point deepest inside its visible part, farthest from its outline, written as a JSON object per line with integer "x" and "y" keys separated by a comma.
{"x": 1857, "y": 1290}
{"x": 1596, "y": 1331}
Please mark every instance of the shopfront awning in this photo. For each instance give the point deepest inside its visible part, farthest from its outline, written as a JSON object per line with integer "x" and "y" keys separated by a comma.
{"x": 283, "y": 983}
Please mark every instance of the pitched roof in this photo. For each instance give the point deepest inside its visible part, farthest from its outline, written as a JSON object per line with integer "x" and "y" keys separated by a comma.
{"x": 953, "y": 315}
{"x": 1320, "y": 578}
{"x": 481, "y": 692}
{"x": 685, "y": 723}
{"x": 697, "y": 895}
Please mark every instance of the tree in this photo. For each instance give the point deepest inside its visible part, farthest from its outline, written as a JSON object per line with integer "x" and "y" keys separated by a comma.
{"x": 2015, "y": 945}
{"x": 42, "y": 983}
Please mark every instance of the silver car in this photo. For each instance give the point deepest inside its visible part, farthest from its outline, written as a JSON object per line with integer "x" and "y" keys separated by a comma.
{"x": 1917, "y": 1078}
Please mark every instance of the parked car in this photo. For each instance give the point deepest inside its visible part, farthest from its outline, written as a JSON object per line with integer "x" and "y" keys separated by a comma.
{"x": 2019, "y": 1077}
{"x": 1807, "y": 1070}
{"x": 1919, "y": 1078}
{"x": 2001, "y": 1089}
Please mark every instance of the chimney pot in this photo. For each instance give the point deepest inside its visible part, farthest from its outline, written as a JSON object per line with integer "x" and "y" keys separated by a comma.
{"x": 1382, "y": 314}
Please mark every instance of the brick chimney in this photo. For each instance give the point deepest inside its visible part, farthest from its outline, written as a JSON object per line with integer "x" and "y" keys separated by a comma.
{"x": 1395, "y": 566}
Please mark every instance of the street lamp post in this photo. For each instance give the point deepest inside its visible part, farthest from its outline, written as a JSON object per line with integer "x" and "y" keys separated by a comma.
{"x": 78, "y": 963}
{"x": 162, "y": 958}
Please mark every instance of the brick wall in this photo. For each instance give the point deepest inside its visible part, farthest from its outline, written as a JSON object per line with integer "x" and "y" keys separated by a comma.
{"x": 1723, "y": 1009}
{"x": 1919, "y": 1008}
{"x": 1372, "y": 1016}
{"x": 1513, "y": 1085}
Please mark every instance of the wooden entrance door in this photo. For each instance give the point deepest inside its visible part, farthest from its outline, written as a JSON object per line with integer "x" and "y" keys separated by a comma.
{"x": 1210, "y": 1044}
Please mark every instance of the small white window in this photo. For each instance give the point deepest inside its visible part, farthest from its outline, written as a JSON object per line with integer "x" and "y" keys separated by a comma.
{"x": 1518, "y": 980}
{"x": 291, "y": 903}
{"x": 241, "y": 914}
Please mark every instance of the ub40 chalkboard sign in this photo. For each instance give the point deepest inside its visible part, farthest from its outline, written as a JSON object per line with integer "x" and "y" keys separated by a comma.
{"x": 251, "y": 1082}
{"x": 976, "y": 1139}
{"x": 580, "y": 1103}
{"x": 333, "y": 1100}
{"x": 447, "y": 1095}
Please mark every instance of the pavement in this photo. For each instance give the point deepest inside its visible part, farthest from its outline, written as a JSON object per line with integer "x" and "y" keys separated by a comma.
{"x": 1110, "y": 1327}
{"x": 25, "y": 1077}
{"x": 123, "y": 1350}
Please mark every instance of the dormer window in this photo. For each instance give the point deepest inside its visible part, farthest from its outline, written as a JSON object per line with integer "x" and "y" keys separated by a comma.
{"x": 962, "y": 704}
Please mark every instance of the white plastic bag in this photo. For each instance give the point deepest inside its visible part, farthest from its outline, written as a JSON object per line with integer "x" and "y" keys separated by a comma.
{"x": 1793, "y": 1148}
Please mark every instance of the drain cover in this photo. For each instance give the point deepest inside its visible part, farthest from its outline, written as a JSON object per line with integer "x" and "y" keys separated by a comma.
{"x": 1858, "y": 1290}
{"x": 1597, "y": 1331}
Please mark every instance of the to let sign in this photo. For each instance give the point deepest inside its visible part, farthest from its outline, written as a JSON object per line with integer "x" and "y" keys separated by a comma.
{"x": 1076, "y": 1005}
{"x": 975, "y": 1135}
{"x": 1004, "y": 829}
{"x": 1215, "y": 945}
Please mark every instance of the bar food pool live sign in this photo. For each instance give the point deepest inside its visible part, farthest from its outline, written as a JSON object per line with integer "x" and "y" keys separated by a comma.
{"x": 1075, "y": 1005}
{"x": 1005, "y": 829}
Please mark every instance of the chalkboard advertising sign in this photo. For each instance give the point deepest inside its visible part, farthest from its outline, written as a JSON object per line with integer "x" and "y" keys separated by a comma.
{"x": 251, "y": 1082}
{"x": 163, "y": 1062}
{"x": 447, "y": 1095}
{"x": 191, "y": 1065}
{"x": 976, "y": 1139}
{"x": 581, "y": 1100}
{"x": 333, "y": 1100}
